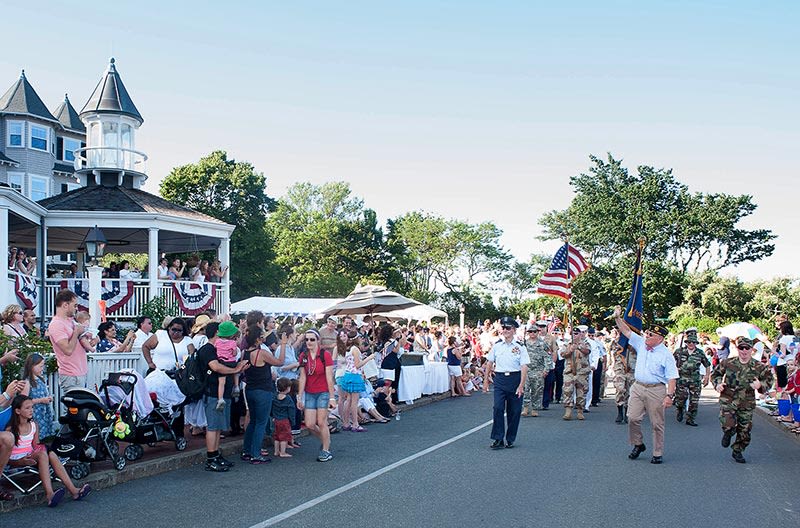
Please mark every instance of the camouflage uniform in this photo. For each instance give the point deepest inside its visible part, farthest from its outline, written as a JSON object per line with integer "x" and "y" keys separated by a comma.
{"x": 541, "y": 363}
{"x": 689, "y": 384}
{"x": 624, "y": 368}
{"x": 738, "y": 399}
{"x": 576, "y": 378}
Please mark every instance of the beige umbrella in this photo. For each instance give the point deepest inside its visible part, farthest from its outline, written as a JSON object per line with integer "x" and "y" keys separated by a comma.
{"x": 368, "y": 300}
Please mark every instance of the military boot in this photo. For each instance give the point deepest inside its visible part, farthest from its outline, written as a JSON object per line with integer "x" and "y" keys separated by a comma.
{"x": 625, "y": 414}
{"x": 567, "y": 413}
{"x": 580, "y": 414}
{"x": 726, "y": 437}
{"x": 524, "y": 411}
{"x": 534, "y": 412}
{"x": 679, "y": 416}
{"x": 620, "y": 414}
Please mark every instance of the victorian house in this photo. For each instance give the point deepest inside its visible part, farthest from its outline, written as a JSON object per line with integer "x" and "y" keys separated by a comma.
{"x": 65, "y": 172}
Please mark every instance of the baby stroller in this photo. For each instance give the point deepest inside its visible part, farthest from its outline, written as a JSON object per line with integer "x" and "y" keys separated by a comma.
{"x": 87, "y": 433}
{"x": 140, "y": 422}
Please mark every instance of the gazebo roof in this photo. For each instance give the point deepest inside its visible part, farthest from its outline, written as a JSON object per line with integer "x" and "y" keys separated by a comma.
{"x": 120, "y": 200}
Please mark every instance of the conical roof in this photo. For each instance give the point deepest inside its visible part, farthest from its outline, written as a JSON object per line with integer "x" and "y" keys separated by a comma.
{"x": 21, "y": 98}
{"x": 110, "y": 96}
{"x": 68, "y": 116}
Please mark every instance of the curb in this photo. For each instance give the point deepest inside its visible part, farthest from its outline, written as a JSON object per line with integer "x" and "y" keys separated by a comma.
{"x": 764, "y": 414}
{"x": 147, "y": 468}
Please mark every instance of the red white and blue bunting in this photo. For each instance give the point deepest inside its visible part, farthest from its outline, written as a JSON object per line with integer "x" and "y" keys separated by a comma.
{"x": 27, "y": 291}
{"x": 115, "y": 293}
{"x": 194, "y": 297}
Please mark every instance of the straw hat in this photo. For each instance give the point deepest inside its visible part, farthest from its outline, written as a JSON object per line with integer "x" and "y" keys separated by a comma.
{"x": 200, "y": 322}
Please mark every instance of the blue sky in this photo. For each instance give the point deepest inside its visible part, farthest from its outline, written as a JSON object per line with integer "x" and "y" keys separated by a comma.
{"x": 475, "y": 110}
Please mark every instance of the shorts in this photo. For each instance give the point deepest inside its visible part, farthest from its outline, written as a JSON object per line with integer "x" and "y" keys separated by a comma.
{"x": 352, "y": 382}
{"x": 283, "y": 431}
{"x": 217, "y": 420}
{"x": 454, "y": 370}
{"x": 316, "y": 400}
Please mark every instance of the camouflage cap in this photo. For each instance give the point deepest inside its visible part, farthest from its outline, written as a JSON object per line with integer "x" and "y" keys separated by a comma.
{"x": 691, "y": 335}
{"x": 744, "y": 341}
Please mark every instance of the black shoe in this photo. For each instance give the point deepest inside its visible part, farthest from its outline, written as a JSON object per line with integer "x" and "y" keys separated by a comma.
{"x": 691, "y": 422}
{"x": 679, "y": 417}
{"x": 497, "y": 444}
{"x": 594, "y": 404}
{"x": 726, "y": 438}
{"x": 509, "y": 445}
{"x": 620, "y": 414}
{"x": 212, "y": 464}
{"x": 656, "y": 460}
{"x": 245, "y": 456}
{"x": 545, "y": 408}
{"x": 637, "y": 450}
{"x": 737, "y": 456}
{"x": 225, "y": 462}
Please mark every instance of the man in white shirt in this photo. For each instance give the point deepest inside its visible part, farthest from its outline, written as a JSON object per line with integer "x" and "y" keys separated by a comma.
{"x": 144, "y": 329}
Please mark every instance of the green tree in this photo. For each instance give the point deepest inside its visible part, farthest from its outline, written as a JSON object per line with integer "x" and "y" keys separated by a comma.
{"x": 234, "y": 192}
{"x": 326, "y": 240}
{"x": 613, "y": 208}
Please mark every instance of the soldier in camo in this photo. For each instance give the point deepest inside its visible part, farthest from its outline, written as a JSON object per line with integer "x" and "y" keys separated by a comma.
{"x": 737, "y": 379}
{"x": 540, "y": 365}
{"x": 688, "y": 359}
{"x": 624, "y": 367}
{"x": 576, "y": 372}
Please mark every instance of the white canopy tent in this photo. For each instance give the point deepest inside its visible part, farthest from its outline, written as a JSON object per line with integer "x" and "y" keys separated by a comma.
{"x": 284, "y": 306}
{"x": 423, "y": 312}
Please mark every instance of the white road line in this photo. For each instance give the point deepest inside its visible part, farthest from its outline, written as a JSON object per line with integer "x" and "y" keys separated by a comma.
{"x": 375, "y": 474}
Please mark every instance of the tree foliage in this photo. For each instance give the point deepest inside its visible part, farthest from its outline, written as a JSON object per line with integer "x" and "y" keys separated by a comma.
{"x": 613, "y": 208}
{"x": 234, "y": 192}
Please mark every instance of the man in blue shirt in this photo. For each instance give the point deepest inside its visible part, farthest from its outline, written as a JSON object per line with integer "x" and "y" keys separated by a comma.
{"x": 654, "y": 388}
{"x": 509, "y": 361}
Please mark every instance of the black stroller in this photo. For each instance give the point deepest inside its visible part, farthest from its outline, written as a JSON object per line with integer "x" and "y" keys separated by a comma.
{"x": 157, "y": 426}
{"x": 87, "y": 433}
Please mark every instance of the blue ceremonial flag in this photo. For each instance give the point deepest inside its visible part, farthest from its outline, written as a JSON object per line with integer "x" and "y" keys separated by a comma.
{"x": 634, "y": 310}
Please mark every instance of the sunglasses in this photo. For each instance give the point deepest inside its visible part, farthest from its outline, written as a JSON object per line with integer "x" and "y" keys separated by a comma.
{"x": 744, "y": 347}
{"x": 312, "y": 339}
{"x": 506, "y": 327}
{"x": 534, "y": 331}
{"x": 177, "y": 329}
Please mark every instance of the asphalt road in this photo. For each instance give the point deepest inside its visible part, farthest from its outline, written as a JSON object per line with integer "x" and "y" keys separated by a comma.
{"x": 434, "y": 468}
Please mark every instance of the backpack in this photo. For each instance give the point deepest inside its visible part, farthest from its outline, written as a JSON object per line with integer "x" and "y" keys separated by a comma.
{"x": 191, "y": 377}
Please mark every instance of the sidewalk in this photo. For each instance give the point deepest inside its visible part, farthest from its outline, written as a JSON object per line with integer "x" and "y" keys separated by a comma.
{"x": 159, "y": 459}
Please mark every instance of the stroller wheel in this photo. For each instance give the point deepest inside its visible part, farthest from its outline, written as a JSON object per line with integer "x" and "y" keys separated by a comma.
{"x": 119, "y": 463}
{"x": 113, "y": 449}
{"x": 79, "y": 470}
{"x": 181, "y": 444}
{"x": 134, "y": 452}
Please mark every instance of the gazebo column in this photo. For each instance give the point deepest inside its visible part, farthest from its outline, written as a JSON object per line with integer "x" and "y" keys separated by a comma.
{"x": 152, "y": 261}
{"x": 41, "y": 268}
{"x": 6, "y": 288}
{"x": 224, "y": 256}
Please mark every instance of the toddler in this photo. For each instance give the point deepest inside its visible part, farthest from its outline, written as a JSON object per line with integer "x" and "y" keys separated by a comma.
{"x": 283, "y": 412}
{"x": 87, "y": 339}
{"x": 228, "y": 355}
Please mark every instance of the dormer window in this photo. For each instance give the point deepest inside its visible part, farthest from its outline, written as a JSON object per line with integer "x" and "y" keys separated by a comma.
{"x": 16, "y": 131}
{"x": 40, "y": 138}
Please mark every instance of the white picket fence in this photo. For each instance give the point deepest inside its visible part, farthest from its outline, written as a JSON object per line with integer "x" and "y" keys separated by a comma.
{"x": 99, "y": 364}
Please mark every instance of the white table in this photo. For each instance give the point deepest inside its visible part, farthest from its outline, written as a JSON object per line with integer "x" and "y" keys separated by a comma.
{"x": 412, "y": 383}
{"x": 437, "y": 378}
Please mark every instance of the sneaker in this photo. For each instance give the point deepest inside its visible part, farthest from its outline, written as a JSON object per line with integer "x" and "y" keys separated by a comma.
{"x": 224, "y": 461}
{"x": 260, "y": 460}
{"x": 325, "y": 456}
{"x": 220, "y": 405}
{"x": 295, "y": 432}
{"x": 212, "y": 464}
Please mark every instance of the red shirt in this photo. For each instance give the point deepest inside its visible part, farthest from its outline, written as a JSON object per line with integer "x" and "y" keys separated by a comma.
{"x": 316, "y": 381}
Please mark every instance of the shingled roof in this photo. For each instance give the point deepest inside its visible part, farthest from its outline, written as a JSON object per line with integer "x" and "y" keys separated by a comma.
{"x": 120, "y": 200}
{"x": 21, "y": 98}
{"x": 5, "y": 159}
{"x": 110, "y": 96}
{"x": 68, "y": 116}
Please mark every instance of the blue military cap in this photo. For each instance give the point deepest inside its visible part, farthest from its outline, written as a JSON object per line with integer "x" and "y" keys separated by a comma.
{"x": 509, "y": 321}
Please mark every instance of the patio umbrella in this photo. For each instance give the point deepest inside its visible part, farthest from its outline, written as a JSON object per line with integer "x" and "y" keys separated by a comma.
{"x": 368, "y": 300}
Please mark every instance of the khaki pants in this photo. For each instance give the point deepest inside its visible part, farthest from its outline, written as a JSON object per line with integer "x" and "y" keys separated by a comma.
{"x": 648, "y": 400}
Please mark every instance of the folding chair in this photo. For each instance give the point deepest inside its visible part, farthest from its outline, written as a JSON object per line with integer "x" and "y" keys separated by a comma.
{"x": 17, "y": 475}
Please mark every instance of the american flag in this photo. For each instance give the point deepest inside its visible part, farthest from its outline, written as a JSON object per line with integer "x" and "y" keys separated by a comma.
{"x": 557, "y": 280}
{"x": 554, "y": 323}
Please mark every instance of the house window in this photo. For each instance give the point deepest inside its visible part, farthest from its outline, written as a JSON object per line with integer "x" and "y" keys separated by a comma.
{"x": 67, "y": 187}
{"x": 16, "y": 131}
{"x": 15, "y": 180}
{"x": 39, "y": 188}
{"x": 70, "y": 146}
{"x": 39, "y": 138}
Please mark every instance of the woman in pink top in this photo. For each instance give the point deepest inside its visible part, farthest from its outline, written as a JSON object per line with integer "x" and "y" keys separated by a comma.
{"x": 27, "y": 451}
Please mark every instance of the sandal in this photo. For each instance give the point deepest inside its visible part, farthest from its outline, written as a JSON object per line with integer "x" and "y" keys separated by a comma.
{"x": 56, "y": 498}
{"x": 385, "y": 420}
{"x": 83, "y": 492}
{"x": 358, "y": 429}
